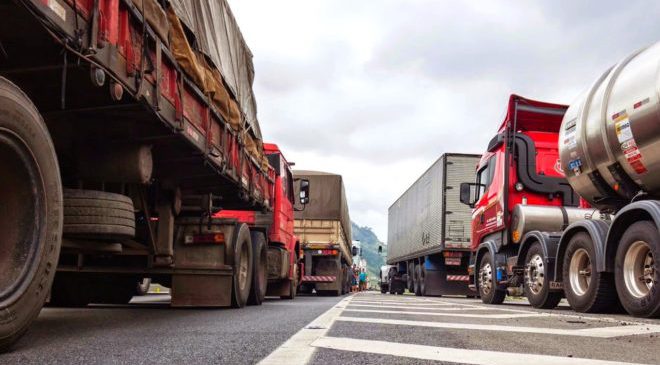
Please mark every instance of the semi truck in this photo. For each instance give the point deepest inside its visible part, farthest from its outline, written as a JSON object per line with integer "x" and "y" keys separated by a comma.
{"x": 276, "y": 249}
{"x": 324, "y": 230}
{"x": 125, "y": 125}
{"x": 428, "y": 231}
{"x": 566, "y": 198}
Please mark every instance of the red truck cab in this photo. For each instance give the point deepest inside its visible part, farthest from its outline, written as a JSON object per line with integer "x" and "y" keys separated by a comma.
{"x": 520, "y": 170}
{"x": 276, "y": 249}
{"x": 526, "y": 171}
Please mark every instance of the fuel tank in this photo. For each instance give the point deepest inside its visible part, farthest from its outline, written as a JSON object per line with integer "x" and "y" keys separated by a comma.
{"x": 545, "y": 218}
{"x": 609, "y": 141}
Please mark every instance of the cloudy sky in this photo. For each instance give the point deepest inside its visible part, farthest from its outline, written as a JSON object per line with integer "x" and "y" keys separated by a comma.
{"x": 377, "y": 90}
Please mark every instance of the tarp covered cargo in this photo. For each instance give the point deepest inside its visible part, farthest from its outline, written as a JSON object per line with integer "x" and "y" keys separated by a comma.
{"x": 219, "y": 38}
{"x": 327, "y": 200}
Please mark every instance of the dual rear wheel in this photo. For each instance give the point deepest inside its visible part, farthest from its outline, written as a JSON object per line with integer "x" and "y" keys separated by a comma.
{"x": 634, "y": 283}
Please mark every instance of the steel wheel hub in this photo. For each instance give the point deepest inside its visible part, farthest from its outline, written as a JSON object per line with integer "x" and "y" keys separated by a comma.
{"x": 639, "y": 269}
{"x": 486, "y": 278}
{"x": 579, "y": 272}
{"x": 535, "y": 274}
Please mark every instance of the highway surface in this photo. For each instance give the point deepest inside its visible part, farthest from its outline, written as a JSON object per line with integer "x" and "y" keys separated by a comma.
{"x": 367, "y": 328}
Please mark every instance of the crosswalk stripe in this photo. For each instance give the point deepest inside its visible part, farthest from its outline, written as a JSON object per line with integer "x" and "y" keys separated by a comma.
{"x": 409, "y": 304}
{"x": 297, "y": 349}
{"x": 463, "y": 315}
{"x": 600, "y": 332}
{"x": 406, "y": 306}
{"x": 448, "y": 354}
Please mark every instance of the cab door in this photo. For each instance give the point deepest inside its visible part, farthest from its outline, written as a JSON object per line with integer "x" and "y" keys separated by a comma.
{"x": 487, "y": 216}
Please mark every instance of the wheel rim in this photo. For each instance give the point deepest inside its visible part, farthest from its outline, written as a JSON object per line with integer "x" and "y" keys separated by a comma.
{"x": 535, "y": 271}
{"x": 486, "y": 278}
{"x": 22, "y": 215}
{"x": 579, "y": 272}
{"x": 243, "y": 266}
{"x": 639, "y": 269}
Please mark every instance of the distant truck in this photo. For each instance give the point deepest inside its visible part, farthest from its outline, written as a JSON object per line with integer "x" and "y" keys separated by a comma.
{"x": 275, "y": 248}
{"x": 324, "y": 230}
{"x": 429, "y": 230}
{"x": 391, "y": 281}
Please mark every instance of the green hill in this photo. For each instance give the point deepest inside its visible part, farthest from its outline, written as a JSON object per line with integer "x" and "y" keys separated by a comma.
{"x": 369, "y": 243}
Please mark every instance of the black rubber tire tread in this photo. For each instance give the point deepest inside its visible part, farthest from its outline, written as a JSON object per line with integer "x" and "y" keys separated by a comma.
{"x": 74, "y": 196}
{"x": 98, "y": 219}
{"x": 496, "y": 296}
{"x": 417, "y": 290}
{"x": 648, "y": 306}
{"x": 239, "y": 297}
{"x": 259, "y": 280}
{"x": 545, "y": 299}
{"x": 601, "y": 295}
{"x": 19, "y": 115}
{"x": 98, "y": 215}
{"x": 93, "y": 212}
{"x": 98, "y": 231}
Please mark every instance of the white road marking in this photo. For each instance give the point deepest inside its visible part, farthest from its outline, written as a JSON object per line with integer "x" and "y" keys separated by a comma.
{"x": 448, "y": 354}
{"x": 463, "y": 315}
{"x": 298, "y": 349}
{"x": 407, "y": 306}
{"x": 600, "y": 332}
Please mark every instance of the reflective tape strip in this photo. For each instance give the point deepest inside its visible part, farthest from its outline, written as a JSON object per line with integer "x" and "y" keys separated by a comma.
{"x": 318, "y": 279}
{"x": 458, "y": 278}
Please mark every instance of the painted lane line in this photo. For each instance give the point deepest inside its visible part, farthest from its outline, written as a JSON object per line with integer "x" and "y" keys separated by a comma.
{"x": 448, "y": 354}
{"x": 583, "y": 317}
{"x": 417, "y": 307}
{"x": 599, "y": 332}
{"x": 406, "y": 304}
{"x": 297, "y": 349}
{"x": 462, "y": 315}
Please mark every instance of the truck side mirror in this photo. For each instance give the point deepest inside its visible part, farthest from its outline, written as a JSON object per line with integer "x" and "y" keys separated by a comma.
{"x": 469, "y": 194}
{"x": 354, "y": 251}
{"x": 304, "y": 191}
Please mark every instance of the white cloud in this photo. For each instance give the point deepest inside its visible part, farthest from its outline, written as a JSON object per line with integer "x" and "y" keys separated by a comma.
{"x": 377, "y": 90}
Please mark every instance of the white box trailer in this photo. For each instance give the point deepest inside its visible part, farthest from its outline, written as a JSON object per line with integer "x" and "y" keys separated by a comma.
{"x": 429, "y": 228}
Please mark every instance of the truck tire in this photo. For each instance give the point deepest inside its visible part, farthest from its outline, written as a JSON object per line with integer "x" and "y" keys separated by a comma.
{"x": 487, "y": 282}
{"x": 242, "y": 275}
{"x": 30, "y": 213}
{"x": 537, "y": 283}
{"x": 98, "y": 215}
{"x": 586, "y": 289}
{"x": 418, "y": 280}
{"x": 293, "y": 285}
{"x": 637, "y": 270}
{"x": 260, "y": 266}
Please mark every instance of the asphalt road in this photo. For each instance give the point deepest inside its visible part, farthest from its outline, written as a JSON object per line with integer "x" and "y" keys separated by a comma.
{"x": 372, "y": 328}
{"x": 366, "y": 328}
{"x": 149, "y": 332}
